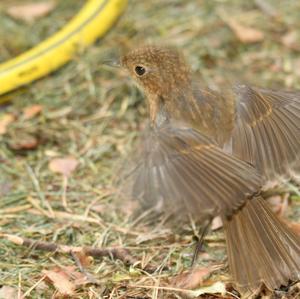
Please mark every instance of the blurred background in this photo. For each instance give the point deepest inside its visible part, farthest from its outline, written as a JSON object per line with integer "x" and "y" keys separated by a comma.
{"x": 90, "y": 114}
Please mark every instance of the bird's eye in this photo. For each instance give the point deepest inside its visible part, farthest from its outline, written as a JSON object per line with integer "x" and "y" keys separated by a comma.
{"x": 140, "y": 70}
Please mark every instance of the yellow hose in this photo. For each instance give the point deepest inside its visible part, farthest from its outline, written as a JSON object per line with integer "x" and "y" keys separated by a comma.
{"x": 93, "y": 21}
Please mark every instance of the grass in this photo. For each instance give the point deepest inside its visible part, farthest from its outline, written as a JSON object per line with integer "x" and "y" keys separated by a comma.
{"x": 93, "y": 113}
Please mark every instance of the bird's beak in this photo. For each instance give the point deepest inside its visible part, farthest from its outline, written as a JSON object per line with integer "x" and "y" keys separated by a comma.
{"x": 153, "y": 110}
{"x": 112, "y": 63}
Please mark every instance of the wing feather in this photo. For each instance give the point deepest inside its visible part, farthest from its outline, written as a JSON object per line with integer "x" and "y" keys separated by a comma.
{"x": 182, "y": 170}
{"x": 267, "y": 130}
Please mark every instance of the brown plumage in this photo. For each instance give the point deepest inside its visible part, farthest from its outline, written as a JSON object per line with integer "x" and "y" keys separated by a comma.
{"x": 208, "y": 154}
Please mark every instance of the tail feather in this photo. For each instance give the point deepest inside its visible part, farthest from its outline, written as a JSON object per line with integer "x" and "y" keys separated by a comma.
{"x": 261, "y": 249}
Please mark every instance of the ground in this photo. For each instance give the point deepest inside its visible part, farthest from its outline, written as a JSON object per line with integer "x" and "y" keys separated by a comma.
{"x": 93, "y": 113}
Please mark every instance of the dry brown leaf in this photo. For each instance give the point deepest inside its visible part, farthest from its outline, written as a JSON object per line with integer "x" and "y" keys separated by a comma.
{"x": 24, "y": 142}
{"x": 192, "y": 279}
{"x": 60, "y": 280}
{"x": 245, "y": 34}
{"x": 7, "y": 292}
{"x": 85, "y": 260}
{"x": 32, "y": 111}
{"x": 216, "y": 223}
{"x": 5, "y": 120}
{"x": 78, "y": 277}
{"x": 64, "y": 166}
{"x": 216, "y": 288}
{"x": 30, "y": 11}
{"x": 65, "y": 279}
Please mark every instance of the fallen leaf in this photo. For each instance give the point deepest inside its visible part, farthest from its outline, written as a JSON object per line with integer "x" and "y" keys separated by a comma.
{"x": 24, "y": 142}
{"x": 30, "y": 11}
{"x": 4, "y": 122}
{"x": 216, "y": 288}
{"x": 192, "y": 279}
{"x": 216, "y": 223}
{"x": 64, "y": 166}
{"x": 60, "y": 281}
{"x": 65, "y": 279}
{"x": 32, "y": 111}
{"x": 78, "y": 278}
{"x": 85, "y": 260}
{"x": 7, "y": 292}
{"x": 245, "y": 34}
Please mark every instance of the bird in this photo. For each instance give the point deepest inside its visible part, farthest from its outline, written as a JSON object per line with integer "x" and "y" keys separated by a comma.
{"x": 208, "y": 153}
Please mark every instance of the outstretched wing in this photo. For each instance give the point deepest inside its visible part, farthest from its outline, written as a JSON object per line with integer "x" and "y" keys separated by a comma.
{"x": 267, "y": 130}
{"x": 182, "y": 171}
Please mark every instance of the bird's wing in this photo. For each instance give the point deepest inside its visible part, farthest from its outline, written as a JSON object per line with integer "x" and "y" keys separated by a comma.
{"x": 267, "y": 130}
{"x": 182, "y": 171}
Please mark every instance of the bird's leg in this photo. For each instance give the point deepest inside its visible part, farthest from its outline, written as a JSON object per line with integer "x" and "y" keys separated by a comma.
{"x": 202, "y": 232}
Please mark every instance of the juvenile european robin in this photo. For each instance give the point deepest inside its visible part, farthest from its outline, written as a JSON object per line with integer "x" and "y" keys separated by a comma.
{"x": 208, "y": 154}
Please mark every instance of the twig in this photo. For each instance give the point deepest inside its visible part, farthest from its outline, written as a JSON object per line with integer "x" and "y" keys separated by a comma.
{"x": 114, "y": 252}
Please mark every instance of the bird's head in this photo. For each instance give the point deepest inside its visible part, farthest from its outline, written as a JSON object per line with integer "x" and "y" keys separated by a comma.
{"x": 160, "y": 71}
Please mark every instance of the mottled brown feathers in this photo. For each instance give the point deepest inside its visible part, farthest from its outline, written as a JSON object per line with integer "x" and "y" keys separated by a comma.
{"x": 166, "y": 68}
